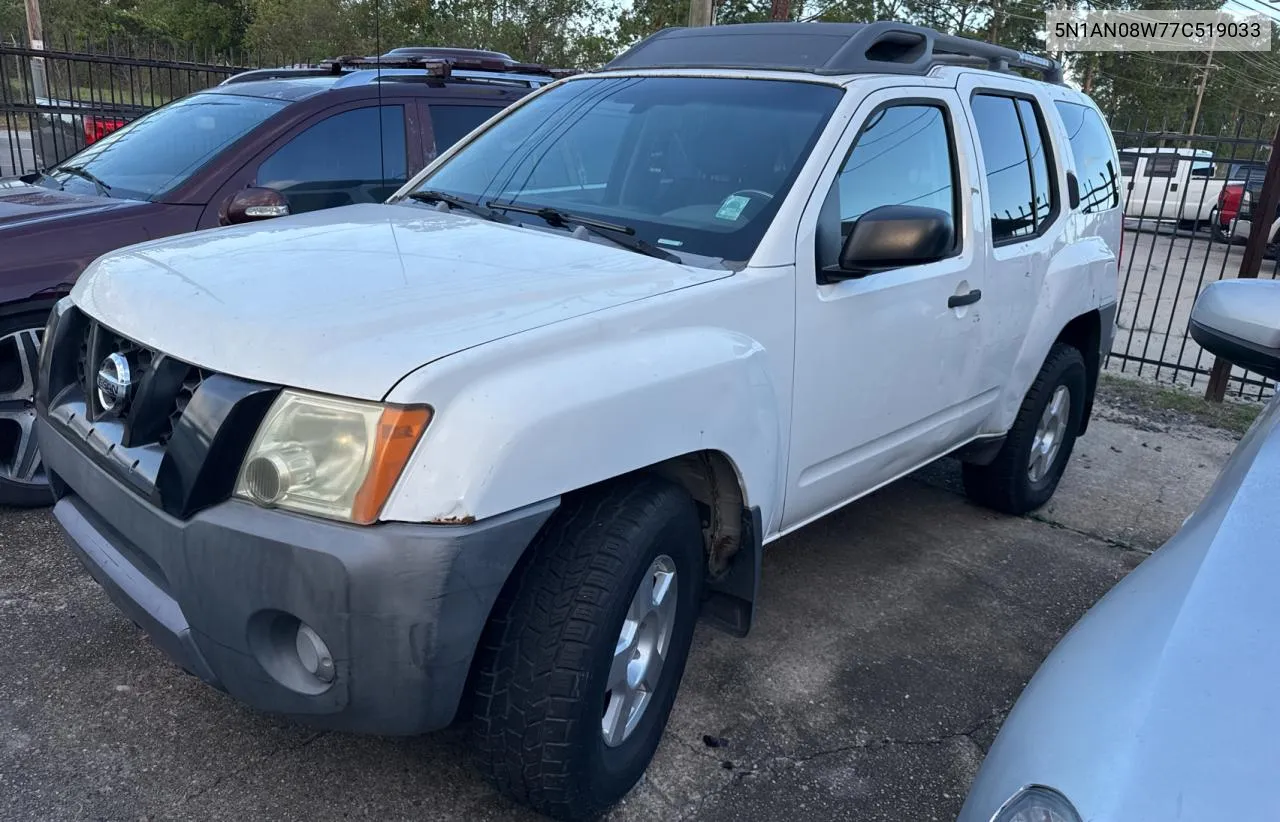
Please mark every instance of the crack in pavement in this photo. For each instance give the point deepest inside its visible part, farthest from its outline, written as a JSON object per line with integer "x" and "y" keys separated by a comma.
{"x": 234, "y": 772}
{"x": 1043, "y": 520}
{"x": 1111, "y": 541}
{"x": 774, "y": 763}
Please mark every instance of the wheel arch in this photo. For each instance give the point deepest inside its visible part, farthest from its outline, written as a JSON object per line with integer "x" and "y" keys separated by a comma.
{"x": 1084, "y": 333}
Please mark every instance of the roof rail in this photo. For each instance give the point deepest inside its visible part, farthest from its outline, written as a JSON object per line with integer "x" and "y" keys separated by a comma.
{"x": 443, "y": 66}
{"x": 275, "y": 74}
{"x": 438, "y": 63}
{"x": 883, "y": 47}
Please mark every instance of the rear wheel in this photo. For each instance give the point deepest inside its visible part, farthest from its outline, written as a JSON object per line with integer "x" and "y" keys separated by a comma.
{"x": 22, "y": 477}
{"x": 1223, "y": 232}
{"x": 581, "y": 661}
{"x": 1026, "y": 471}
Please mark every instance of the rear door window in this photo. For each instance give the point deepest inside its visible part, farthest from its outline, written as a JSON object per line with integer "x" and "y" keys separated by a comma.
{"x": 1019, "y": 176}
{"x": 1161, "y": 165}
{"x": 355, "y": 156}
{"x": 451, "y": 123}
{"x": 1095, "y": 159}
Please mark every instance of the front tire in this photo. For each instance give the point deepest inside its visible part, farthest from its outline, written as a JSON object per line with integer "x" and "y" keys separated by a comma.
{"x": 1026, "y": 471}
{"x": 579, "y": 666}
{"x": 22, "y": 478}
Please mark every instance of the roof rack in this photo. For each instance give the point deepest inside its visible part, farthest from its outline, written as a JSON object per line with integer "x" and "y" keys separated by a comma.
{"x": 439, "y": 63}
{"x": 883, "y": 47}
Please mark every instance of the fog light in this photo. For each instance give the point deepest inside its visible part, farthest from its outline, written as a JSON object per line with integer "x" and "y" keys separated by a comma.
{"x": 314, "y": 654}
{"x": 271, "y": 476}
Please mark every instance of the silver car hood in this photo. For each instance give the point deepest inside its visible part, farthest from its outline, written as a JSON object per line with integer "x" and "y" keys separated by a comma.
{"x": 1162, "y": 702}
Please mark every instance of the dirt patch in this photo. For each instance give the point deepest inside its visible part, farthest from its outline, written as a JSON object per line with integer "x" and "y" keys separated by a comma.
{"x": 1151, "y": 407}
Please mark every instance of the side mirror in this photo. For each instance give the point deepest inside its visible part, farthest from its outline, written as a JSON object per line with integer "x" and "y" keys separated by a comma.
{"x": 1239, "y": 320}
{"x": 253, "y": 204}
{"x": 1073, "y": 190}
{"x": 894, "y": 236}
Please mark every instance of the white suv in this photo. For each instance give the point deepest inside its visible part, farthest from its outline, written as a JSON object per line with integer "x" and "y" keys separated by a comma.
{"x": 487, "y": 452}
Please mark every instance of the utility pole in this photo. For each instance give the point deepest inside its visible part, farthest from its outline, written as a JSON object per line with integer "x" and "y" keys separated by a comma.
{"x": 1204, "y": 81}
{"x": 699, "y": 13}
{"x": 780, "y": 10}
{"x": 35, "y": 35}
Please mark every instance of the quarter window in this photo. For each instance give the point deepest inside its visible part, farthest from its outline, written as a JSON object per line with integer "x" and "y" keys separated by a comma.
{"x": 338, "y": 161}
{"x": 1094, "y": 156}
{"x": 903, "y": 156}
{"x": 1019, "y": 175}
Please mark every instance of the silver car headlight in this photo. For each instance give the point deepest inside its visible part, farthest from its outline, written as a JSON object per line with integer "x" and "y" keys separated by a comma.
{"x": 1037, "y": 804}
{"x": 329, "y": 457}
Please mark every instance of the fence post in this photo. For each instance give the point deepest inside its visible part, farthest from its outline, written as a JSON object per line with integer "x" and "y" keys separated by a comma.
{"x": 1264, "y": 212}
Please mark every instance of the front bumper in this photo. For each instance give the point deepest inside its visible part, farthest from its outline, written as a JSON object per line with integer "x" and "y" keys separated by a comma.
{"x": 400, "y": 606}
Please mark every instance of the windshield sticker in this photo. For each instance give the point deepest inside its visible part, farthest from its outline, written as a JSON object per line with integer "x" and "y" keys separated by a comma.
{"x": 732, "y": 207}
{"x": 672, "y": 243}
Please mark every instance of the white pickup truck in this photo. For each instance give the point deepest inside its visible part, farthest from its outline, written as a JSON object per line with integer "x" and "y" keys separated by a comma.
{"x": 488, "y": 452}
{"x": 1175, "y": 184}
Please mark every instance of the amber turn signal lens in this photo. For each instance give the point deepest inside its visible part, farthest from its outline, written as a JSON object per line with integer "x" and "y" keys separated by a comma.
{"x": 399, "y": 430}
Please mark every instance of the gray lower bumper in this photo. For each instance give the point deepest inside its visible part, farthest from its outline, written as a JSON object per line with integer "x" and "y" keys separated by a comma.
{"x": 401, "y": 607}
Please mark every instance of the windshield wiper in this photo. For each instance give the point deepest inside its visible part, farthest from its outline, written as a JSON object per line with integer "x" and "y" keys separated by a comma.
{"x": 429, "y": 196}
{"x": 84, "y": 174}
{"x": 623, "y": 235}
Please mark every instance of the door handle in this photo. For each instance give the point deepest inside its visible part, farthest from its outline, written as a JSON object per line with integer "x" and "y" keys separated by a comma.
{"x": 1173, "y": 187}
{"x": 957, "y": 300}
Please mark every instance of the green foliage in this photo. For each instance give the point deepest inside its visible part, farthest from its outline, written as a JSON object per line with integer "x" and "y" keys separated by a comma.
{"x": 1153, "y": 92}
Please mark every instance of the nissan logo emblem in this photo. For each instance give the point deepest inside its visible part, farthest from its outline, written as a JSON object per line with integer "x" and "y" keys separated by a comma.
{"x": 115, "y": 384}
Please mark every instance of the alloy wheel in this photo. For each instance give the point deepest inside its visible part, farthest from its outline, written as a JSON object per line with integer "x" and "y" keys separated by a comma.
{"x": 19, "y": 454}
{"x": 640, "y": 652}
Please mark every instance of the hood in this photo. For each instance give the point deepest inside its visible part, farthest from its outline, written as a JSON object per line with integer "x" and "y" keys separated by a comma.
{"x": 348, "y": 301}
{"x": 22, "y": 203}
{"x": 1161, "y": 702}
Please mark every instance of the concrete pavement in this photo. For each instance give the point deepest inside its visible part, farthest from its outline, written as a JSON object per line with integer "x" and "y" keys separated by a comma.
{"x": 892, "y": 639}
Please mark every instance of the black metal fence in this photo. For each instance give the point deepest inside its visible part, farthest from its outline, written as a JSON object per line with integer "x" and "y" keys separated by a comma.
{"x": 1187, "y": 206}
{"x": 54, "y": 102}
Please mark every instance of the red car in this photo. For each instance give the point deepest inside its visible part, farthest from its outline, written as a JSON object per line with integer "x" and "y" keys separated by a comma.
{"x": 1244, "y": 183}
{"x": 264, "y": 143}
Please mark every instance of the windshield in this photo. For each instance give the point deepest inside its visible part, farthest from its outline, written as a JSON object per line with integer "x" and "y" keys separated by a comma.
{"x": 695, "y": 166}
{"x": 155, "y": 153}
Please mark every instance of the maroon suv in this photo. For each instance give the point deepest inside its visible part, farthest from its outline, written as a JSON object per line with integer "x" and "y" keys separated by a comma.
{"x": 263, "y": 144}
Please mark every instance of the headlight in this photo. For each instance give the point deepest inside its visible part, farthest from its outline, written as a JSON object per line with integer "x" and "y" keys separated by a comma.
{"x": 1037, "y": 804}
{"x": 329, "y": 457}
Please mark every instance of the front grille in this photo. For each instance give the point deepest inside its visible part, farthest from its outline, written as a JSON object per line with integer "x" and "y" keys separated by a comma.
{"x": 161, "y": 387}
{"x": 190, "y": 385}
{"x": 179, "y": 436}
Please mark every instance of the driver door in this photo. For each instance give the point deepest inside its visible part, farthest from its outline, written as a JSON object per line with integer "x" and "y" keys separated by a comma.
{"x": 886, "y": 364}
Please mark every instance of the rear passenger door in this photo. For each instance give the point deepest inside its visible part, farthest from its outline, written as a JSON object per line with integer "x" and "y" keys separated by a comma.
{"x": 1155, "y": 189}
{"x": 1019, "y": 184}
